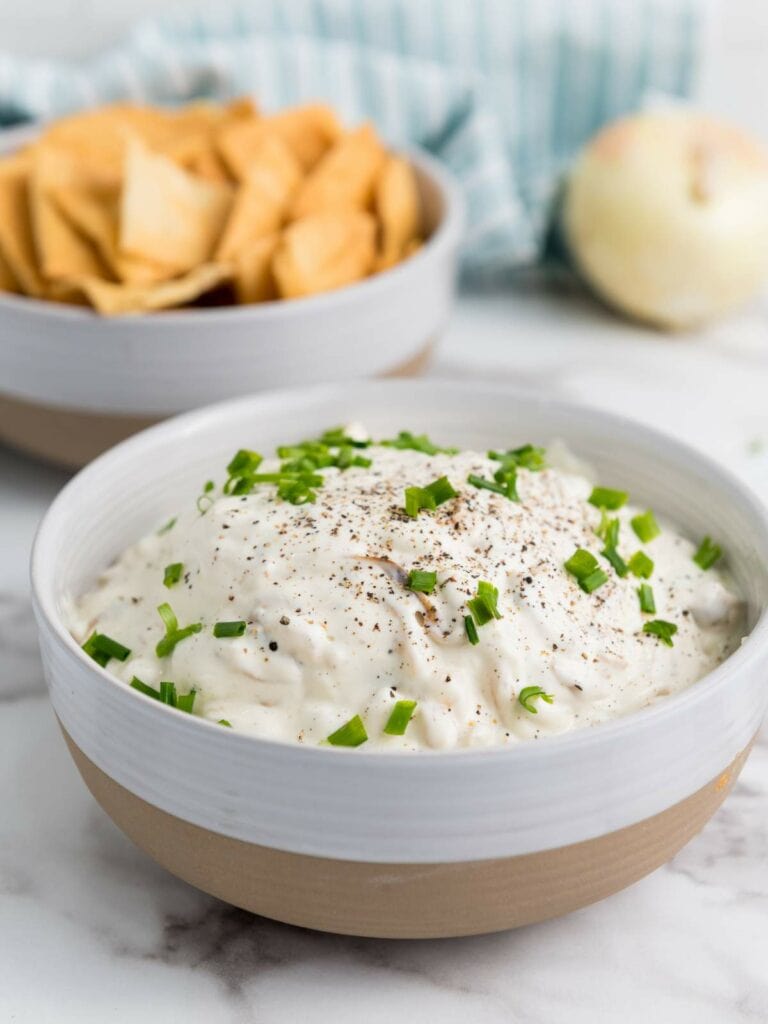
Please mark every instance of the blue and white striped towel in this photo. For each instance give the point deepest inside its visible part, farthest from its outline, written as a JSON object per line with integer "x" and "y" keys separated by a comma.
{"x": 503, "y": 91}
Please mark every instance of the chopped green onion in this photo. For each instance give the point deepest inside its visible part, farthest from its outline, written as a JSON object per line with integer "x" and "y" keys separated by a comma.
{"x": 150, "y": 691}
{"x": 529, "y": 693}
{"x": 584, "y": 566}
{"x": 417, "y": 443}
{"x": 412, "y": 501}
{"x": 471, "y": 630}
{"x": 429, "y": 497}
{"x": 605, "y": 497}
{"x": 166, "y": 694}
{"x": 335, "y": 437}
{"x": 244, "y": 462}
{"x": 527, "y": 456}
{"x": 581, "y": 563}
{"x": 168, "y": 526}
{"x": 593, "y": 581}
{"x": 401, "y": 715}
{"x": 504, "y": 482}
{"x": 228, "y": 629}
{"x": 223, "y": 721}
{"x": 489, "y": 485}
{"x": 346, "y": 457}
{"x": 645, "y": 526}
{"x": 185, "y": 701}
{"x": 297, "y": 492}
{"x": 205, "y": 500}
{"x": 102, "y": 648}
{"x": 441, "y": 490}
{"x": 646, "y": 598}
{"x": 240, "y": 470}
{"x": 641, "y": 565}
{"x": 173, "y": 635}
{"x": 707, "y": 554}
{"x": 351, "y": 734}
{"x": 608, "y": 529}
{"x": 168, "y": 616}
{"x": 422, "y": 581}
{"x": 483, "y": 605}
{"x": 172, "y": 574}
{"x": 661, "y": 629}
{"x": 620, "y": 567}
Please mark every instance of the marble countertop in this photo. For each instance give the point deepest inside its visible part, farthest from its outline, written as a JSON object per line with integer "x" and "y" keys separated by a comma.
{"x": 91, "y": 930}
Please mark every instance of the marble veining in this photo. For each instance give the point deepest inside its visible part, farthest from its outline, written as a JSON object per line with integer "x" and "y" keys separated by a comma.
{"x": 91, "y": 930}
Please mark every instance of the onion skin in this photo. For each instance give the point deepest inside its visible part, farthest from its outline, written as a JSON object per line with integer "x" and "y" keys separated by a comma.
{"x": 666, "y": 217}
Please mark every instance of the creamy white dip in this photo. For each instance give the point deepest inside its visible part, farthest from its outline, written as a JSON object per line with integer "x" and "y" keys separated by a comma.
{"x": 332, "y": 631}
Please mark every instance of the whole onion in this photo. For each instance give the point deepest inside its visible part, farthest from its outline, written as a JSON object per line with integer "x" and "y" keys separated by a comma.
{"x": 666, "y": 217}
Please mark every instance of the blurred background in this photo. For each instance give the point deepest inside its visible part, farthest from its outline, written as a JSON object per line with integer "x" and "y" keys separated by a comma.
{"x": 73, "y": 29}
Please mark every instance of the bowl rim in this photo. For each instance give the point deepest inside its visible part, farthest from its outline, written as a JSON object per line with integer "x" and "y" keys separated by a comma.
{"x": 447, "y": 232}
{"x": 753, "y": 646}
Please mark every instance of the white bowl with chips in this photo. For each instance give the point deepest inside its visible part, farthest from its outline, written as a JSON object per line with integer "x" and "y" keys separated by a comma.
{"x": 72, "y": 383}
{"x": 428, "y": 843}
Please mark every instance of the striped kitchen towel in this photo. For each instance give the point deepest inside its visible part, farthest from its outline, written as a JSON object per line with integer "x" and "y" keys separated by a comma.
{"x": 503, "y": 91}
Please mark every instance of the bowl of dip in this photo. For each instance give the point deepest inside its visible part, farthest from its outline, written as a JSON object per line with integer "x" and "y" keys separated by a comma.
{"x": 457, "y": 682}
{"x": 73, "y": 383}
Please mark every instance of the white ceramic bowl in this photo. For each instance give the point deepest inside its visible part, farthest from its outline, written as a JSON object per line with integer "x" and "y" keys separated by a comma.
{"x": 414, "y": 844}
{"x": 72, "y": 383}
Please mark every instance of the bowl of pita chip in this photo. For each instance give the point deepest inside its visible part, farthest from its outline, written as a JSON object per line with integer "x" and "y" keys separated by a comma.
{"x": 153, "y": 260}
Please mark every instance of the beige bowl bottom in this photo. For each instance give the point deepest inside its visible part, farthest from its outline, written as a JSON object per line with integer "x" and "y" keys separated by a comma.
{"x": 406, "y": 901}
{"x": 70, "y": 438}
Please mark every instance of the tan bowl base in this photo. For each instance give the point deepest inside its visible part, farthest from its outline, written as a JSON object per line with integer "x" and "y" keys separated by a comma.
{"x": 70, "y": 438}
{"x": 412, "y": 901}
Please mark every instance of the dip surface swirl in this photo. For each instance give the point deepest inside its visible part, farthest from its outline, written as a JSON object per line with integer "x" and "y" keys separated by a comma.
{"x": 332, "y": 630}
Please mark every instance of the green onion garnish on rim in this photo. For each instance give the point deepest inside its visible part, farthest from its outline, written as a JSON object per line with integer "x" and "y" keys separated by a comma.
{"x": 172, "y": 574}
{"x": 168, "y": 526}
{"x": 661, "y": 629}
{"x": 173, "y": 635}
{"x": 417, "y": 443}
{"x": 646, "y": 598}
{"x": 351, "y": 734}
{"x": 707, "y": 554}
{"x": 484, "y": 605}
{"x": 401, "y": 715}
{"x": 422, "y": 581}
{"x": 228, "y": 629}
{"x": 529, "y": 694}
{"x": 584, "y": 567}
{"x": 224, "y": 721}
{"x": 471, "y": 630}
{"x": 641, "y": 565}
{"x": 645, "y": 526}
{"x": 605, "y": 497}
{"x": 102, "y": 648}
